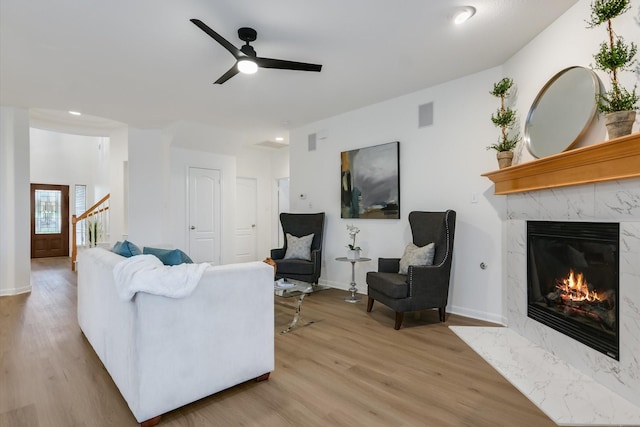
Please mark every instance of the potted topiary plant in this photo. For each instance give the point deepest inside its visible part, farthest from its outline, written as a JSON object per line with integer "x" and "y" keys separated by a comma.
{"x": 618, "y": 104}
{"x": 505, "y": 119}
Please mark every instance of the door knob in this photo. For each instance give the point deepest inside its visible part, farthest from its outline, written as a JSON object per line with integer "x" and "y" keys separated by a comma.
{"x": 193, "y": 227}
{"x": 253, "y": 226}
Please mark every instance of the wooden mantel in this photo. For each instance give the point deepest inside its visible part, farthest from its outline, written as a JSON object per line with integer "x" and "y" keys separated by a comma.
{"x": 610, "y": 160}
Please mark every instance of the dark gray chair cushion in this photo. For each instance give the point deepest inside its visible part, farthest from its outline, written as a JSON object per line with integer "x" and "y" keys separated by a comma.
{"x": 391, "y": 285}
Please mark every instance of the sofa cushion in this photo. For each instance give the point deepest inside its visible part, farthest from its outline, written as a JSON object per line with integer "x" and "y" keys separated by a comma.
{"x": 393, "y": 285}
{"x": 126, "y": 249}
{"x": 416, "y": 255}
{"x": 168, "y": 256}
{"x": 299, "y": 247}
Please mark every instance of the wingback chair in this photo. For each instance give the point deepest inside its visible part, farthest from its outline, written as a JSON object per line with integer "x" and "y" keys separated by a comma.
{"x": 424, "y": 286}
{"x": 299, "y": 225}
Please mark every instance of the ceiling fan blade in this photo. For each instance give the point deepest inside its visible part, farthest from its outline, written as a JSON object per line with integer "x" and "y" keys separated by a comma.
{"x": 226, "y": 76}
{"x": 217, "y": 37}
{"x": 287, "y": 65}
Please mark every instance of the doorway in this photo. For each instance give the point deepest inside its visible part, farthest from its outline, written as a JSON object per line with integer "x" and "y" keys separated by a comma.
{"x": 204, "y": 215}
{"x": 283, "y": 206}
{"x": 246, "y": 224}
{"x": 49, "y": 220}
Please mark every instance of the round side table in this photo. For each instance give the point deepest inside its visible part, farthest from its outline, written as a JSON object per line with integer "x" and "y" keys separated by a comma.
{"x": 352, "y": 298}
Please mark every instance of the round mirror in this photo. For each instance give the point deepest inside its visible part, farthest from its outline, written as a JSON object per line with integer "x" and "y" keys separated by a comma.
{"x": 562, "y": 111}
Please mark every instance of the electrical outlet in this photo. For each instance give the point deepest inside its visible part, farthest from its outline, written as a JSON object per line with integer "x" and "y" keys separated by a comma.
{"x": 474, "y": 197}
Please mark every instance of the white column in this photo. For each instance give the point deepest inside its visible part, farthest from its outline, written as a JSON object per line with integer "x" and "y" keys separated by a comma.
{"x": 15, "y": 211}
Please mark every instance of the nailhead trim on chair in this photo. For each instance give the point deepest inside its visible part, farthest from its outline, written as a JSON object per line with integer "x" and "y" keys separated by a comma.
{"x": 446, "y": 255}
{"x": 446, "y": 224}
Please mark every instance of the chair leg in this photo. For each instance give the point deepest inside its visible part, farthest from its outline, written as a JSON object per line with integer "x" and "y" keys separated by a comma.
{"x": 399, "y": 318}
{"x": 442, "y": 313}
{"x": 370, "y": 304}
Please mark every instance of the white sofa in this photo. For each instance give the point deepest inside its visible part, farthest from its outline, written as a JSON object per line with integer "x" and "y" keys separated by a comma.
{"x": 163, "y": 353}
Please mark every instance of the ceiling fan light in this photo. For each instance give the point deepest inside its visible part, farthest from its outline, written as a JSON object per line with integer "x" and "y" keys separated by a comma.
{"x": 247, "y": 66}
{"x": 464, "y": 14}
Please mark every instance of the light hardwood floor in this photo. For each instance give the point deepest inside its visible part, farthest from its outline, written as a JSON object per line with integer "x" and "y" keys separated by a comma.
{"x": 349, "y": 368}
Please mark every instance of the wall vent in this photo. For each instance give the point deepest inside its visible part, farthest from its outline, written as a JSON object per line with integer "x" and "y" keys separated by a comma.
{"x": 312, "y": 142}
{"x": 425, "y": 115}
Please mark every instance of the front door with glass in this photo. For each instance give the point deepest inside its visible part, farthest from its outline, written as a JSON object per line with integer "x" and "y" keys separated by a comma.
{"x": 49, "y": 220}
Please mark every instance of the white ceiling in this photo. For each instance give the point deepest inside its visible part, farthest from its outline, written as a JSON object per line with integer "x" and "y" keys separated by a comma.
{"x": 142, "y": 62}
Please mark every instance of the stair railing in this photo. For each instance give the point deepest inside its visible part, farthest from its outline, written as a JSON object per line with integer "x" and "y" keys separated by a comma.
{"x": 90, "y": 228}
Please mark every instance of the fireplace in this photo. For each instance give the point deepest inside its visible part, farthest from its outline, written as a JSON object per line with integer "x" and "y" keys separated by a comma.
{"x": 573, "y": 280}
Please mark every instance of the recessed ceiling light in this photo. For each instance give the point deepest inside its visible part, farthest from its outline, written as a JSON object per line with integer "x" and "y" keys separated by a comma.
{"x": 463, "y": 14}
{"x": 279, "y": 138}
{"x": 75, "y": 113}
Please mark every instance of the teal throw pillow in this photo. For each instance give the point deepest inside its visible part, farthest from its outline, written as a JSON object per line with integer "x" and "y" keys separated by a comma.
{"x": 126, "y": 249}
{"x": 168, "y": 256}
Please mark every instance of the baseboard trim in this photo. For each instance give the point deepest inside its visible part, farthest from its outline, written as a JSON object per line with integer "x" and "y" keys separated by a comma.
{"x": 336, "y": 285}
{"x": 478, "y": 315}
{"x": 15, "y": 291}
{"x": 453, "y": 309}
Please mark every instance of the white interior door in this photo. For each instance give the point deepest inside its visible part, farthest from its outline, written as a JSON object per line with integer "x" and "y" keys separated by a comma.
{"x": 283, "y": 205}
{"x": 204, "y": 215}
{"x": 246, "y": 214}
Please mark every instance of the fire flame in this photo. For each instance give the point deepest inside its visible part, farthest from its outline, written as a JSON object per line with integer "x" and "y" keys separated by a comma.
{"x": 575, "y": 288}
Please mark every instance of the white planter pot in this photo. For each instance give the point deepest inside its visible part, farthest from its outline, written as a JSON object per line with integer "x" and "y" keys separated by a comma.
{"x": 353, "y": 254}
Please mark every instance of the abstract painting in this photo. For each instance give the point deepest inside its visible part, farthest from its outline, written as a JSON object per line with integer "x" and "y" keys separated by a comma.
{"x": 370, "y": 182}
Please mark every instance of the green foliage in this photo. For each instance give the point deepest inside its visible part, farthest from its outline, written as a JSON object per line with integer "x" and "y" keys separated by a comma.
{"x": 613, "y": 56}
{"x": 93, "y": 232}
{"x": 505, "y": 144}
{"x": 504, "y": 118}
{"x": 604, "y": 10}
{"x": 619, "y": 57}
{"x": 501, "y": 89}
{"x": 617, "y": 99}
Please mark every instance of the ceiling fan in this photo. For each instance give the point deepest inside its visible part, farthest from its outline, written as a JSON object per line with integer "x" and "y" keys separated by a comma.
{"x": 246, "y": 59}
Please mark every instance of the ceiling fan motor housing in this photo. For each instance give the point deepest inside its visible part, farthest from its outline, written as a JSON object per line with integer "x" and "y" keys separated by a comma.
{"x": 248, "y": 50}
{"x": 247, "y": 34}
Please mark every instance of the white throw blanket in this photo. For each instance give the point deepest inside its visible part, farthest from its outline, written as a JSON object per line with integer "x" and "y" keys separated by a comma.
{"x": 146, "y": 273}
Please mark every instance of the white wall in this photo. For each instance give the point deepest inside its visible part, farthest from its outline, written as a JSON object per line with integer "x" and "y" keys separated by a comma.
{"x": 118, "y": 183}
{"x": 65, "y": 159}
{"x": 441, "y": 164}
{"x": 238, "y": 159}
{"x": 158, "y": 174}
{"x": 266, "y": 166}
{"x": 440, "y": 167}
{"x": 568, "y": 42}
{"x": 280, "y": 169}
{"x": 181, "y": 160}
{"x": 15, "y": 221}
{"x": 149, "y": 178}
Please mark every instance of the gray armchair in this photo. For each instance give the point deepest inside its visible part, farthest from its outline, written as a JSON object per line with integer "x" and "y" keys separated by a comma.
{"x": 300, "y": 225}
{"x": 423, "y": 287}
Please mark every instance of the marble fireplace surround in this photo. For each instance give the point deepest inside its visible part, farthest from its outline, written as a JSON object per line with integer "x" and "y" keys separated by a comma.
{"x": 527, "y": 342}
